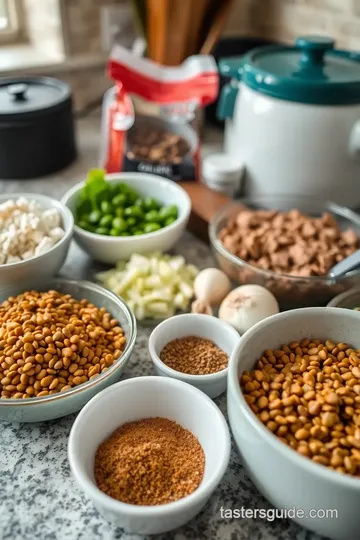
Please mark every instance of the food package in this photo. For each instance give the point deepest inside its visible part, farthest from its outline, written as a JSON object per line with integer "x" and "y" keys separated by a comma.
{"x": 150, "y": 115}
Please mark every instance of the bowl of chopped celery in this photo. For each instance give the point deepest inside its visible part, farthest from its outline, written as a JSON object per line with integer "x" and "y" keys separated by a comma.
{"x": 119, "y": 214}
{"x": 154, "y": 286}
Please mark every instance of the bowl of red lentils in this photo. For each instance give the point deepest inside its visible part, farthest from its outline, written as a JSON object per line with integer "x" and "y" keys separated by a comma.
{"x": 61, "y": 342}
{"x": 294, "y": 410}
{"x": 195, "y": 349}
{"x": 151, "y": 463}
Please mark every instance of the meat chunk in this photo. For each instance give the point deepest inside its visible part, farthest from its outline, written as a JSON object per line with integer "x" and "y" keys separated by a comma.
{"x": 288, "y": 242}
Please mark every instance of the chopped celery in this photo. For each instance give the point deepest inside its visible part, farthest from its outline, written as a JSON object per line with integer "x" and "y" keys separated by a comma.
{"x": 181, "y": 301}
{"x": 177, "y": 263}
{"x": 186, "y": 289}
{"x": 154, "y": 286}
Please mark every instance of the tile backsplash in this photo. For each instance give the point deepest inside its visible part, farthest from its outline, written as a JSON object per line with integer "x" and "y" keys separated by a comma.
{"x": 74, "y": 28}
{"x": 284, "y": 20}
{"x": 82, "y": 21}
{"x": 44, "y": 26}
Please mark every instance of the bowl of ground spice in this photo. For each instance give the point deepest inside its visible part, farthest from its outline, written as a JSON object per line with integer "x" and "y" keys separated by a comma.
{"x": 150, "y": 463}
{"x": 195, "y": 349}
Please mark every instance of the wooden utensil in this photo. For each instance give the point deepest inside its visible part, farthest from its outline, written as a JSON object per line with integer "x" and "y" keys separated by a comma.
{"x": 205, "y": 203}
{"x": 180, "y": 14}
{"x": 157, "y": 12}
{"x": 217, "y": 26}
{"x": 198, "y": 12}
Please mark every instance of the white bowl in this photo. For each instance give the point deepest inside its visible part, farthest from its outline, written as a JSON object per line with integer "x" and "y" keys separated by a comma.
{"x": 39, "y": 409}
{"x": 192, "y": 324}
{"x": 110, "y": 249}
{"x": 48, "y": 264}
{"x": 348, "y": 299}
{"x": 282, "y": 475}
{"x": 139, "y": 398}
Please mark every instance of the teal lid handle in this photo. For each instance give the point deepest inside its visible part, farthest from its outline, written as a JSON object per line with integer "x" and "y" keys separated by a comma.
{"x": 231, "y": 67}
{"x": 226, "y": 101}
{"x": 314, "y": 48}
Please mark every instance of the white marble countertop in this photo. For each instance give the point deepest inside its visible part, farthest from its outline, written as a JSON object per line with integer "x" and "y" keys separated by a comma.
{"x": 38, "y": 497}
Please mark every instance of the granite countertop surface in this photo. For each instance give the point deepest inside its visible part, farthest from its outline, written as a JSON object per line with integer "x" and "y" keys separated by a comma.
{"x": 38, "y": 497}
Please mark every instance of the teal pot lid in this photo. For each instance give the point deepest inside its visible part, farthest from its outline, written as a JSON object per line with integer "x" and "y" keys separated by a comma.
{"x": 311, "y": 71}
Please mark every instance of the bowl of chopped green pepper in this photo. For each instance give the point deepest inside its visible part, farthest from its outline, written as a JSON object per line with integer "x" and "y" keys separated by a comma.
{"x": 123, "y": 213}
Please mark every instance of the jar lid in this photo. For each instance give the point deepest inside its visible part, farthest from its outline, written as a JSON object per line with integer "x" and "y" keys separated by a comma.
{"x": 28, "y": 97}
{"x": 311, "y": 71}
{"x": 222, "y": 168}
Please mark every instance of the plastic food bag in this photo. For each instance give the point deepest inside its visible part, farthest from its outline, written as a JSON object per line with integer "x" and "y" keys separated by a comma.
{"x": 149, "y": 116}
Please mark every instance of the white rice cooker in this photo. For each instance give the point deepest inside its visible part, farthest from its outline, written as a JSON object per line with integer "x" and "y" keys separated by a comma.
{"x": 293, "y": 119}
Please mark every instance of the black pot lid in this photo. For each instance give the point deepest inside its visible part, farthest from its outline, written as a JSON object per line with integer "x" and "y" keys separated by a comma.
{"x": 29, "y": 97}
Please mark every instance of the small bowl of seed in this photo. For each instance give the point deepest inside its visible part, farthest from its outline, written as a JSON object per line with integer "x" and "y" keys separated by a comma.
{"x": 195, "y": 349}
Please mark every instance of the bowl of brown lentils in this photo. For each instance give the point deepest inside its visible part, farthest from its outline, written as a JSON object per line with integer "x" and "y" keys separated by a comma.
{"x": 61, "y": 342}
{"x": 294, "y": 410}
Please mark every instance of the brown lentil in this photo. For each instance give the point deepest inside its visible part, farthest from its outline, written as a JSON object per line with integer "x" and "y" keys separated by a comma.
{"x": 194, "y": 355}
{"x": 149, "y": 462}
{"x": 309, "y": 409}
{"x": 34, "y": 343}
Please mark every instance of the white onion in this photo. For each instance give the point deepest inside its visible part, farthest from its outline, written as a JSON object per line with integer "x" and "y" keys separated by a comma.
{"x": 211, "y": 286}
{"x": 247, "y": 305}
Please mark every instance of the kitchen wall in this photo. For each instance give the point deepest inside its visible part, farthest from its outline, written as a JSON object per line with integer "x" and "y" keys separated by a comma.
{"x": 84, "y": 54}
{"x": 283, "y": 20}
{"x": 84, "y": 67}
{"x": 279, "y": 20}
{"x": 81, "y": 19}
{"x": 44, "y": 26}
{"x": 83, "y": 60}
{"x": 69, "y": 31}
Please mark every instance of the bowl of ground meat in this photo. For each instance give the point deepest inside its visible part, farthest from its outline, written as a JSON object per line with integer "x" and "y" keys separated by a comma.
{"x": 287, "y": 244}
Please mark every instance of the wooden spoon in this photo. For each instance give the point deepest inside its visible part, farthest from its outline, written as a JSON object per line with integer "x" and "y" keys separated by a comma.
{"x": 157, "y": 24}
{"x": 178, "y": 31}
{"x": 217, "y": 26}
{"x": 199, "y": 9}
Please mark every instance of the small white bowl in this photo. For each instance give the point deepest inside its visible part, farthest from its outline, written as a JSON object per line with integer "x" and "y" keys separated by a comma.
{"x": 348, "y": 299}
{"x": 192, "y": 324}
{"x": 47, "y": 264}
{"x": 135, "y": 399}
{"x": 111, "y": 249}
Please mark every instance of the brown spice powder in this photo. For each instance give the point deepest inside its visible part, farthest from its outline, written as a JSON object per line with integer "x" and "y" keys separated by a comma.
{"x": 149, "y": 462}
{"x": 194, "y": 355}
